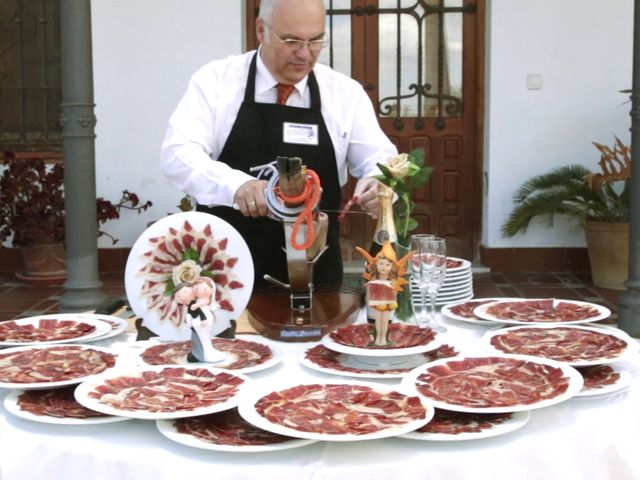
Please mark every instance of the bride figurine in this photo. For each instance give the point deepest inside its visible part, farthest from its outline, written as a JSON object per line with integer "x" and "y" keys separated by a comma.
{"x": 385, "y": 278}
{"x": 199, "y": 297}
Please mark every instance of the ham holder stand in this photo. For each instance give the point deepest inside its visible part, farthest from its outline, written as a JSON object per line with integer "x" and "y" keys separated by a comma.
{"x": 295, "y": 312}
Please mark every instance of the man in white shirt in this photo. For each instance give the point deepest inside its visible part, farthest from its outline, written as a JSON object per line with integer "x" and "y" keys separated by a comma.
{"x": 227, "y": 122}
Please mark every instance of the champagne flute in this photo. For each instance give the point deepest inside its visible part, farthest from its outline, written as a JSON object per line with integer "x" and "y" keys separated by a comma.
{"x": 429, "y": 268}
{"x": 418, "y": 275}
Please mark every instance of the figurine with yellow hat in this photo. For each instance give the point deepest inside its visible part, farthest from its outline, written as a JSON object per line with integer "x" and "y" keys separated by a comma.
{"x": 385, "y": 278}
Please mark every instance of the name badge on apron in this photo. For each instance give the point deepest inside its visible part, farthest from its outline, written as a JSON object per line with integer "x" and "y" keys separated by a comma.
{"x": 300, "y": 133}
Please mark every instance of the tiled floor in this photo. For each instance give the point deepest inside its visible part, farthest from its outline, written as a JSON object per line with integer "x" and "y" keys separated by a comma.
{"x": 20, "y": 300}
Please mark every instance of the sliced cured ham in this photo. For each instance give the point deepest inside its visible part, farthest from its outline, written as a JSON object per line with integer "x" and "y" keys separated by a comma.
{"x": 338, "y": 409}
{"x": 49, "y": 329}
{"x": 546, "y": 310}
{"x": 227, "y": 428}
{"x": 567, "y": 344}
{"x": 454, "y": 423}
{"x": 242, "y": 353}
{"x": 486, "y": 382}
{"x": 59, "y": 403}
{"x": 400, "y": 336}
{"x": 167, "y": 390}
{"x": 598, "y": 376}
{"x": 53, "y": 364}
{"x": 465, "y": 309}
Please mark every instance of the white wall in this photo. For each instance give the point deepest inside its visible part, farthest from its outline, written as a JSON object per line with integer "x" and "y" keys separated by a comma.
{"x": 144, "y": 52}
{"x": 583, "y": 50}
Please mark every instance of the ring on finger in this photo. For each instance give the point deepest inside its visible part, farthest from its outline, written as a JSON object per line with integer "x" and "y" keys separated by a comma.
{"x": 251, "y": 204}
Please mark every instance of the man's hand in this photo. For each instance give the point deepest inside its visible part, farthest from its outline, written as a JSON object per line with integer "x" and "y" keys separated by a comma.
{"x": 367, "y": 192}
{"x": 250, "y": 198}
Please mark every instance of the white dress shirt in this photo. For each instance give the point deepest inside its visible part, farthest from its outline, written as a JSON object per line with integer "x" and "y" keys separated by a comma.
{"x": 199, "y": 127}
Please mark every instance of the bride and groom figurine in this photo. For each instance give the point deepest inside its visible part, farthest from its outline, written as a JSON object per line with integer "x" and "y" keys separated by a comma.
{"x": 200, "y": 301}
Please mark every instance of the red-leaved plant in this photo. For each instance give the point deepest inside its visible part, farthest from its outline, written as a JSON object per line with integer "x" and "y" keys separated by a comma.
{"x": 32, "y": 203}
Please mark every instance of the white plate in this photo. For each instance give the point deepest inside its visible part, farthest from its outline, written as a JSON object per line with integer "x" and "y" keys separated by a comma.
{"x": 62, "y": 383}
{"x": 517, "y": 420}
{"x": 236, "y": 247}
{"x": 575, "y": 385}
{"x": 449, "y": 298}
{"x": 631, "y": 348}
{"x": 118, "y": 325}
{"x": 604, "y": 312}
{"x": 276, "y": 357}
{"x": 461, "y": 276}
{"x": 166, "y": 428}
{"x": 455, "y": 288}
{"x": 622, "y": 383}
{"x": 466, "y": 265}
{"x": 331, "y": 344}
{"x": 248, "y": 412}
{"x": 82, "y": 395}
{"x": 369, "y": 366}
{"x": 11, "y": 404}
{"x": 101, "y": 328}
{"x": 446, "y": 311}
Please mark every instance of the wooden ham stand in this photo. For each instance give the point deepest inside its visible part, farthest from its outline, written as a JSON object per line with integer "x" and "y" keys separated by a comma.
{"x": 295, "y": 312}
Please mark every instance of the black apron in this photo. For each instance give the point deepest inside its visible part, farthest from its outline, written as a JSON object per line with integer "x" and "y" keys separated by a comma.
{"x": 256, "y": 139}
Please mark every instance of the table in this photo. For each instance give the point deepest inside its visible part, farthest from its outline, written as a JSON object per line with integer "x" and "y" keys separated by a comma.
{"x": 583, "y": 438}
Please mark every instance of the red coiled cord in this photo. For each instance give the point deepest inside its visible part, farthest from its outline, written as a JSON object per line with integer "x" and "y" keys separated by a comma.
{"x": 310, "y": 196}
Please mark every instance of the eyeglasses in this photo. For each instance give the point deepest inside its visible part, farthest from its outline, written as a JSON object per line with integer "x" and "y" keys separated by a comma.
{"x": 294, "y": 44}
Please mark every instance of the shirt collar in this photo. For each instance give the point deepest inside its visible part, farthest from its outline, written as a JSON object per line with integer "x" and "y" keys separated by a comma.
{"x": 265, "y": 81}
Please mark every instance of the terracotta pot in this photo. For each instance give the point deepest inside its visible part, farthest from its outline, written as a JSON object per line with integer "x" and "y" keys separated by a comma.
{"x": 44, "y": 263}
{"x": 608, "y": 247}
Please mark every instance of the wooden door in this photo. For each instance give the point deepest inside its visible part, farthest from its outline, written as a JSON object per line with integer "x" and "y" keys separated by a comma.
{"x": 420, "y": 62}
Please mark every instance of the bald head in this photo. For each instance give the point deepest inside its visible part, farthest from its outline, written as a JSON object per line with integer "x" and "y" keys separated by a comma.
{"x": 267, "y": 7}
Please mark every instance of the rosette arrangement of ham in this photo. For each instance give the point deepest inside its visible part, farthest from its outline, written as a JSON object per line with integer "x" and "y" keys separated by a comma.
{"x": 199, "y": 250}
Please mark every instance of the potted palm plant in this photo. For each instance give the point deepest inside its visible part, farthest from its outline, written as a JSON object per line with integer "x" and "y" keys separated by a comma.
{"x": 32, "y": 215}
{"x": 599, "y": 202}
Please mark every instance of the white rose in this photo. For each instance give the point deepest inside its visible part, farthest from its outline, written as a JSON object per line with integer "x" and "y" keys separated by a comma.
{"x": 187, "y": 271}
{"x": 398, "y": 166}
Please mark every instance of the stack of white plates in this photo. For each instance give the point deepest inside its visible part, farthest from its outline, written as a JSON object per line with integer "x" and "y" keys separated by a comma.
{"x": 457, "y": 286}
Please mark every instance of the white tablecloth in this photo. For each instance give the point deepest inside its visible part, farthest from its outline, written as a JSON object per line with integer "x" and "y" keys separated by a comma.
{"x": 583, "y": 438}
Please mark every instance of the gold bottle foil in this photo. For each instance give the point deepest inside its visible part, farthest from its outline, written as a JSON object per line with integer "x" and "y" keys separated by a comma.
{"x": 385, "y": 228}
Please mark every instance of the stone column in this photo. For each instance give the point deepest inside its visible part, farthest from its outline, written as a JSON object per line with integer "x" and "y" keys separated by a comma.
{"x": 82, "y": 288}
{"x": 629, "y": 301}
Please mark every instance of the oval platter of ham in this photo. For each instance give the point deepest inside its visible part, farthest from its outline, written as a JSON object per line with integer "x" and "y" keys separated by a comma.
{"x": 494, "y": 384}
{"x": 52, "y": 366}
{"x": 335, "y": 411}
{"x": 574, "y": 345}
{"x": 227, "y": 432}
{"x": 156, "y": 393}
{"x": 51, "y": 329}
{"x": 55, "y": 406}
{"x": 545, "y": 311}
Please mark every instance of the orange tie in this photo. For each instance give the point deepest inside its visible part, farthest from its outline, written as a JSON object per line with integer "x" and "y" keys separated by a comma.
{"x": 283, "y": 93}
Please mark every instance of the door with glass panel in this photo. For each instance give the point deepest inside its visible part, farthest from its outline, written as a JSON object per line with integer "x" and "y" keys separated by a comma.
{"x": 419, "y": 61}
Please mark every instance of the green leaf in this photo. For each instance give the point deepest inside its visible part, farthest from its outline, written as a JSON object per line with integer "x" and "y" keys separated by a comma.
{"x": 385, "y": 171}
{"x": 190, "y": 254}
{"x": 170, "y": 287}
{"x": 417, "y": 156}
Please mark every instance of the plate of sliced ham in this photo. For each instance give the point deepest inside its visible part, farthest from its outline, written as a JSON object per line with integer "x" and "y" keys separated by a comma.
{"x": 227, "y": 432}
{"x": 494, "y": 384}
{"x": 527, "y": 311}
{"x": 52, "y": 366}
{"x": 55, "y": 406}
{"x": 341, "y": 411}
{"x": 404, "y": 339}
{"x": 448, "y": 426}
{"x": 162, "y": 392}
{"x": 51, "y": 329}
{"x": 571, "y": 344}
{"x": 183, "y": 247}
{"x": 603, "y": 380}
{"x": 463, "y": 311}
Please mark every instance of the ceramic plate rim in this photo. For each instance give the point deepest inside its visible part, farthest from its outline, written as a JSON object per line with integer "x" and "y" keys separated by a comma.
{"x": 102, "y": 328}
{"x": 62, "y": 383}
{"x": 632, "y": 345}
{"x": 319, "y": 368}
{"x": 198, "y": 220}
{"x": 122, "y": 326}
{"x": 11, "y": 405}
{"x": 446, "y": 311}
{"x": 166, "y": 428}
{"x": 622, "y": 384}
{"x": 604, "y": 313}
{"x": 248, "y": 412}
{"x": 575, "y": 385}
{"x": 83, "y": 389}
{"x": 465, "y": 264}
{"x": 518, "y": 420}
